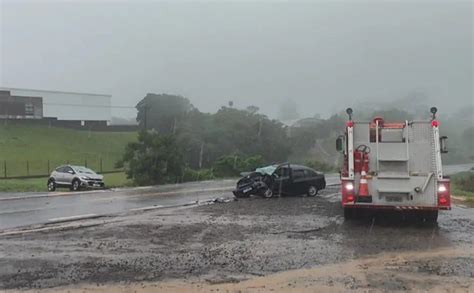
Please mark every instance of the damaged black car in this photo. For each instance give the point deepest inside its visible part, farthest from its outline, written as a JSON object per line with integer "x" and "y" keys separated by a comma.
{"x": 283, "y": 179}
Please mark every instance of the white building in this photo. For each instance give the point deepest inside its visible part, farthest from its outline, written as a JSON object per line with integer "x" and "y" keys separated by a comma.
{"x": 66, "y": 105}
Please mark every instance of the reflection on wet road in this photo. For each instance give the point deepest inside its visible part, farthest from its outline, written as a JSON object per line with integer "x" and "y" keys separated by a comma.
{"x": 18, "y": 210}
{"x": 34, "y": 210}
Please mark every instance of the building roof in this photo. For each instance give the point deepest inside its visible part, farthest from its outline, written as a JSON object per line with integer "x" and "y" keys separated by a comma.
{"x": 55, "y": 91}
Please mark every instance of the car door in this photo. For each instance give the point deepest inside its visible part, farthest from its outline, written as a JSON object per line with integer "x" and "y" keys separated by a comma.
{"x": 282, "y": 180}
{"x": 68, "y": 175}
{"x": 299, "y": 182}
{"x": 59, "y": 175}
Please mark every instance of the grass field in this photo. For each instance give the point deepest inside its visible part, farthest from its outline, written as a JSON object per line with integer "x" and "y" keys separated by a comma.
{"x": 39, "y": 184}
{"x": 31, "y": 147}
{"x": 462, "y": 185}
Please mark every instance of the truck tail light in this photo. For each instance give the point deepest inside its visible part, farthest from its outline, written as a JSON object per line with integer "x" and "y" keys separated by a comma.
{"x": 444, "y": 193}
{"x": 347, "y": 190}
{"x": 349, "y": 186}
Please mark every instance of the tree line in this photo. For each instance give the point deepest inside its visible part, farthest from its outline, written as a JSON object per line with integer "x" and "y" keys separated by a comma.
{"x": 180, "y": 143}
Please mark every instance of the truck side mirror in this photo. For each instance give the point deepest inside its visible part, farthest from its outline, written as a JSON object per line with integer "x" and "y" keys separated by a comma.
{"x": 339, "y": 144}
{"x": 443, "y": 144}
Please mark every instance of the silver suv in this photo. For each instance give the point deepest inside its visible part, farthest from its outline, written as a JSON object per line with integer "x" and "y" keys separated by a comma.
{"x": 74, "y": 177}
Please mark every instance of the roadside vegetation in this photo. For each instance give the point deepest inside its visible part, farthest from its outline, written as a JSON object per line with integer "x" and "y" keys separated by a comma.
{"x": 463, "y": 185}
{"x": 179, "y": 143}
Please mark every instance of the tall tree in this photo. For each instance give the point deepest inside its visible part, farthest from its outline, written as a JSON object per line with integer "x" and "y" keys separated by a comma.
{"x": 162, "y": 112}
{"x": 154, "y": 159}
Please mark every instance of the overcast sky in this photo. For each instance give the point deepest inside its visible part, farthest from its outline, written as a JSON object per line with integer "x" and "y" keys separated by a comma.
{"x": 323, "y": 55}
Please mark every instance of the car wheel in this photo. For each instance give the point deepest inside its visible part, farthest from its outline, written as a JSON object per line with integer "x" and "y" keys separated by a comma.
{"x": 312, "y": 190}
{"x": 268, "y": 193}
{"x": 51, "y": 185}
{"x": 76, "y": 185}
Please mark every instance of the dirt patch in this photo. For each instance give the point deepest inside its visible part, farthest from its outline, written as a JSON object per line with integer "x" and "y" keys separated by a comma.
{"x": 385, "y": 272}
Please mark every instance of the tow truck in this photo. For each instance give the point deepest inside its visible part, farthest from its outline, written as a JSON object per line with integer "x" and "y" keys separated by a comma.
{"x": 393, "y": 165}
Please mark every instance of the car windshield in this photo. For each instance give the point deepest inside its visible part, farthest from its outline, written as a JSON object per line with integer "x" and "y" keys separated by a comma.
{"x": 268, "y": 170}
{"x": 83, "y": 170}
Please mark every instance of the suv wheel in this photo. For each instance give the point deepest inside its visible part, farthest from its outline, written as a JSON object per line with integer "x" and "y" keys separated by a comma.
{"x": 51, "y": 185}
{"x": 312, "y": 191}
{"x": 76, "y": 185}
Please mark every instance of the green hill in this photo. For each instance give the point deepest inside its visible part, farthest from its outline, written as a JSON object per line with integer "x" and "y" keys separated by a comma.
{"x": 31, "y": 147}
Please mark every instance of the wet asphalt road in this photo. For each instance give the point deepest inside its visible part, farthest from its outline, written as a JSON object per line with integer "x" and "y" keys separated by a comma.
{"x": 17, "y": 210}
{"x": 22, "y": 209}
{"x": 237, "y": 240}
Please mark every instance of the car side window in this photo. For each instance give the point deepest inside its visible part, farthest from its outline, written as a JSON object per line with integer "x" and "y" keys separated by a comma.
{"x": 308, "y": 174}
{"x": 60, "y": 169}
{"x": 282, "y": 172}
{"x": 67, "y": 169}
{"x": 298, "y": 174}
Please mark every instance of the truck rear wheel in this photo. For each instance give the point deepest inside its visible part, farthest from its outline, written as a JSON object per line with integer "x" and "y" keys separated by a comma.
{"x": 348, "y": 213}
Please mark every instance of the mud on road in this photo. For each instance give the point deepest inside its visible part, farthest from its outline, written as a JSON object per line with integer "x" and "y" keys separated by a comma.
{"x": 246, "y": 241}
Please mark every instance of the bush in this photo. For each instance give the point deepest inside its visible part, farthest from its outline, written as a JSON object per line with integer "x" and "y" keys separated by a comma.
{"x": 197, "y": 175}
{"x": 154, "y": 159}
{"x": 233, "y": 165}
{"x": 320, "y": 166}
{"x": 464, "y": 181}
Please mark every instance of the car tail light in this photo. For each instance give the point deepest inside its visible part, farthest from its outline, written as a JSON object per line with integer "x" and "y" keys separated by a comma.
{"x": 347, "y": 190}
{"x": 444, "y": 193}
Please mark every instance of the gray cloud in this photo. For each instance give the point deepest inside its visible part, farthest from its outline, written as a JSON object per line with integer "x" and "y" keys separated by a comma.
{"x": 324, "y": 55}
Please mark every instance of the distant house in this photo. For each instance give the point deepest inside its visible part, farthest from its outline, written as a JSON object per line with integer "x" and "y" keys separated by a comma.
{"x": 81, "y": 108}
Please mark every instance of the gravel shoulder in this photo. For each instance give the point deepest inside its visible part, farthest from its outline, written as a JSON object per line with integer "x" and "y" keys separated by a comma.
{"x": 282, "y": 244}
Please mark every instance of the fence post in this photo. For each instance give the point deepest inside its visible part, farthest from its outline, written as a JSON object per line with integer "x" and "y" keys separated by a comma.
{"x": 85, "y": 163}
{"x": 48, "y": 168}
{"x": 100, "y": 160}
{"x": 5, "y": 168}
{"x": 27, "y": 168}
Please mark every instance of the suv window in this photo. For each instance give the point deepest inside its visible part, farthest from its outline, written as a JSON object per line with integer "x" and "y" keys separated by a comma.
{"x": 67, "y": 169}
{"x": 61, "y": 169}
{"x": 309, "y": 174}
{"x": 298, "y": 174}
